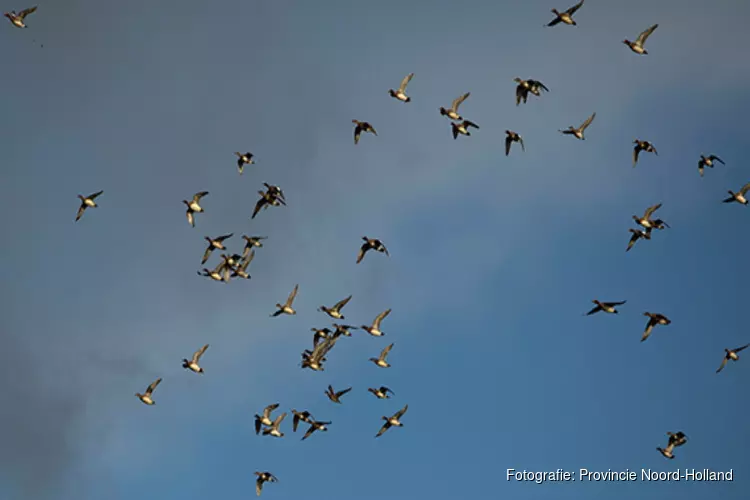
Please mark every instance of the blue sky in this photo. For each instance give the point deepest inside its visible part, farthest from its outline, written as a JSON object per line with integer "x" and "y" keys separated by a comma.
{"x": 492, "y": 354}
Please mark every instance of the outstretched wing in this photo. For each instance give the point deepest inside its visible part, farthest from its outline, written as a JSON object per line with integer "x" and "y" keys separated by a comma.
{"x": 292, "y": 295}
{"x": 341, "y": 303}
{"x": 197, "y": 355}
{"x": 574, "y": 8}
{"x": 650, "y": 210}
{"x": 260, "y": 204}
{"x": 744, "y": 189}
{"x": 405, "y": 82}
{"x": 385, "y": 351}
{"x": 197, "y": 196}
{"x": 723, "y": 364}
{"x": 741, "y": 348}
{"x": 380, "y": 317}
{"x": 153, "y": 386}
{"x": 644, "y": 35}
{"x": 636, "y": 152}
{"x": 588, "y": 121}
{"x": 26, "y": 12}
{"x": 508, "y": 142}
{"x": 468, "y": 123}
{"x": 458, "y": 100}
{"x": 401, "y": 412}
{"x": 713, "y": 157}
{"x": 93, "y": 196}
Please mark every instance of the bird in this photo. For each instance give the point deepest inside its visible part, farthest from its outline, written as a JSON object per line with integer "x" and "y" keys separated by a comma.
{"x": 343, "y": 330}
{"x": 510, "y": 138}
{"x": 637, "y": 235}
{"x": 275, "y": 192}
{"x": 381, "y": 392}
{"x": 708, "y": 161}
{"x": 315, "y": 426}
{"x": 393, "y": 421}
{"x": 739, "y": 196}
{"x": 667, "y": 452}
{"x": 17, "y": 19}
{"x": 263, "y": 477}
{"x": 320, "y": 333}
{"x": 400, "y": 94}
{"x": 266, "y": 199}
{"x": 219, "y": 273}
{"x": 193, "y": 363}
{"x": 607, "y": 307}
{"x": 462, "y": 128}
{"x": 452, "y": 112}
{"x": 642, "y": 146}
{"x": 265, "y": 418}
{"x": 86, "y": 202}
{"x": 193, "y": 206}
{"x": 336, "y": 396}
{"x": 677, "y": 438}
{"x": 273, "y": 429}
{"x": 565, "y": 17}
{"x": 146, "y": 396}
{"x": 731, "y": 354}
{"x": 362, "y": 127}
{"x": 525, "y": 86}
{"x": 314, "y": 359}
{"x": 335, "y": 311}
{"x": 241, "y": 270}
{"x": 637, "y": 46}
{"x": 646, "y": 220}
{"x": 214, "y": 244}
{"x": 653, "y": 320}
{"x": 578, "y": 132}
{"x": 287, "y": 307}
{"x": 252, "y": 241}
{"x": 301, "y": 416}
{"x": 380, "y": 360}
{"x": 371, "y": 244}
{"x": 374, "y": 328}
{"x": 243, "y": 159}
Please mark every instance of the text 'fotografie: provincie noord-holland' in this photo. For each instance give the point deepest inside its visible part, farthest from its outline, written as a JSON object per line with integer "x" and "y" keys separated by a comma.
{"x": 609, "y": 475}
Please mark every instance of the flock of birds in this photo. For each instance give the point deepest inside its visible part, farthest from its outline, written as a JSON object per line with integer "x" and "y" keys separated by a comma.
{"x": 324, "y": 339}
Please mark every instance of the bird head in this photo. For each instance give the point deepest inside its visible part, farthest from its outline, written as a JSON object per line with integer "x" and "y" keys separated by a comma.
{"x": 443, "y": 111}
{"x": 626, "y": 42}
{"x": 392, "y": 93}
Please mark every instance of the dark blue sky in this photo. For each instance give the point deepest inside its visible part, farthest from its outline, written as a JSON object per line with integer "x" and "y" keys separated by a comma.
{"x": 493, "y": 261}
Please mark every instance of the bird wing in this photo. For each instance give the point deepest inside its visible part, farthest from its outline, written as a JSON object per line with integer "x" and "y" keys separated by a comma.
{"x": 613, "y": 304}
{"x": 93, "y": 196}
{"x": 292, "y": 295}
{"x": 458, "y": 100}
{"x": 295, "y": 421}
{"x": 647, "y": 331}
{"x": 341, "y": 393}
{"x": 362, "y": 250}
{"x": 468, "y": 123}
{"x": 197, "y": 196}
{"x": 574, "y": 8}
{"x": 454, "y": 127}
{"x": 26, "y": 12}
{"x": 197, "y": 355}
{"x": 650, "y": 210}
{"x": 279, "y": 419}
{"x": 554, "y": 21}
{"x": 401, "y": 412}
{"x": 207, "y": 253}
{"x": 385, "y": 352}
{"x": 744, "y": 189}
{"x": 636, "y": 151}
{"x": 154, "y": 384}
{"x": 405, "y": 82}
{"x": 380, "y": 317}
{"x": 735, "y": 350}
{"x": 309, "y": 432}
{"x": 588, "y": 121}
{"x": 385, "y": 427}
{"x": 385, "y": 389}
{"x": 596, "y": 308}
{"x": 508, "y": 142}
{"x": 268, "y": 409}
{"x": 713, "y": 157}
{"x": 521, "y": 93}
{"x": 260, "y": 204}
{"x": 259, "y": 485}
{"x": 81, "y": 209}
{"x": 645, "y": 34}
{"x": 540, "y": 84}
{"x": 723, "y": 364}
{"x": 224, "y": 237}
{"x": 357, "y": 133}
{"x": 341, "y": 303}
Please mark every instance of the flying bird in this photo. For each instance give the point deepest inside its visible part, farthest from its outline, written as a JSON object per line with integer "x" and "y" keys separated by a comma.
{"x": 400, "y": 94}
{"x": 273, "y": 430}
{"x": 241, "y": 270}
{"x": 193, "y": 363}
{"x": 336, "y": 396}
{"x": 265, "y": 418}
{"x": 452, "y": 112}
{"x": 362, "y": 127}
{"x": 219, "y": 273}
{"x": 653, "y": 320}
{"x": 708, "y": 161}
{"x": 214, "y": 244}
{"x": 675, "y": 439}
{"x": 243, "y": 159}
{"x": 510, "y": 138}
{"x": 393, "y": 421}
{"x": 738, "y": 197}
{"x": 371, "y": 244}
{"x": 646, "y": 220}
{"x": 525, "y": 86}
{"x": 18, "y": 19}
{"x": 462, "y": 128}
{"x": 637, "y": 46}
{"x": 315, "y": 426}
{"x": 193, "y": 206}
{"x": 607, "y": 307}
{"x": 731, "y": 354}
{"x": 381, "y": 392}
{"x": 642, "y": 146}
{"x": 301, "y": 416}
{"x": 252, "y": 241}
{"x": 343, "y": 330}
{"x": 380, "y": 360}
{"x": 287, "y": 307}
{"x": 86, "y": 202}
{"x": 374, "y": 328}
{"x": 637, "y": 235}
{"x": 146, "y": 396}
{"x": 263, "y": 477}
{"x": 565, "y": 17}
{"x": 578, "y": 132}
{"x": 335, "y": 311}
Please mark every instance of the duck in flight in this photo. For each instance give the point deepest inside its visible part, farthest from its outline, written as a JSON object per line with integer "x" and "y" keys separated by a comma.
{"x": 243, "y": 159}
{"x": 400, "y": 94}
{"x": 739, "y": 196}
{"x": 146, "y": 396}
{"x": 18, "y": 19}
{"x": 642, "y": 146}
{"x": 193, "y": 206}
{"x": 87, "y": 202}
{"x": 637, "y": 46}
{"x": 393, "y": 421}
{"x": 360, "y": 127}
{"x": 286, "y": 308}
{"x": 578, "y": 133}
{"x": 731, "y": 354}
{"x": 708, "y": 161}
{"x": 565, "y": 17}
{"x": 607, "y": 307}
{"x": 452, "y": 112}
{"x": 193, "y": 364}
{"x": 510, "y": 138}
